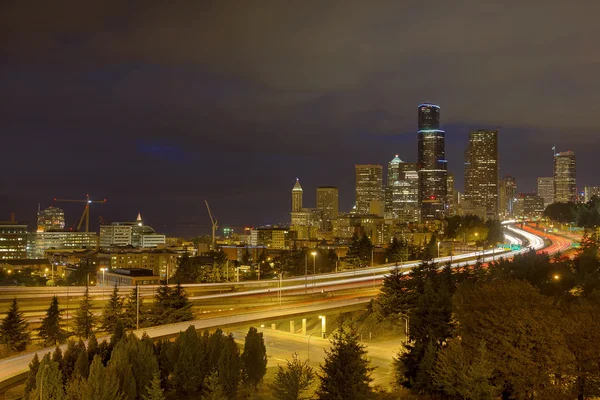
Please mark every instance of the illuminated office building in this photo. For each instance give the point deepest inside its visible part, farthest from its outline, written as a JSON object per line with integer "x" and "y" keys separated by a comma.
{"x": 51, "y": 219}
{"x": 481, "y": 171}
{"x": 369, "y": 188}
{"x": 545, "y": 189}
{"x": 565, "y": 186}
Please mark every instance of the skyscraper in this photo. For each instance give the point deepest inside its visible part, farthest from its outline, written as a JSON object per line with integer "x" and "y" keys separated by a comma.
{"x": 507, "y": 195}
{"x": 327, "y": 204}
{"x": 545, "y": 189}
{"x": 297, "y": 197}
{"x": 481, "y": 171}
{"x": 51, "y": 219}
{"x": 450, "y": 188}
{"x": 565, "y": 187}
{"x": 369, "y": 187}
{"x": 432, "y": 165}
{"x": 393, "y": 175}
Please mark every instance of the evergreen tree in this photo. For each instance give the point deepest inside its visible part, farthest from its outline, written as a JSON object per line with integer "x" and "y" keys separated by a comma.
{"x": 120, "y": 366}
{"x": 50, "y": 330}
{"x": 76, "y": 389}
{"x": 346, "y": 373}
{"x": 14, "y": 330}
{"x": 34, "y": 365}
{"x": 181, "y": 307}
{"x": 102, "y": 383}
{"x": 215, "y": 346}
{"x": 191, "y": 367}
{"x": 69, "y": 360}
{"x": 48, "y": 381}
{"x": 82, "y": 366}
{"x": 291, "y": 382}
{"x": 93, "y": 348}
{"x": 214, "y": 389}
{"x": 57, "y": 356}
{"x": 112, "y": 311}
{"x": 254, "y": 357}
{"x": 230, "y": 367}
{"x": 154, "y": 391}
{"x": 84, "y": 317}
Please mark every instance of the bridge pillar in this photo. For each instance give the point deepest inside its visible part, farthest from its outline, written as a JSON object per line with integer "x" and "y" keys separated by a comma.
{"x": 292, "y": 330}
{"x": 304, "y": 326}
{"x": 2, "y": 395}
{"x": 273, "y": 327}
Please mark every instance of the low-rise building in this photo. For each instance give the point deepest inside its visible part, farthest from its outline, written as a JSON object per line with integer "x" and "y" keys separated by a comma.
{"x": 273, "y": 238}
{"x": 40, "y": 242}
{"x": 161, "y": 263}
{"x": 129, "y": 277}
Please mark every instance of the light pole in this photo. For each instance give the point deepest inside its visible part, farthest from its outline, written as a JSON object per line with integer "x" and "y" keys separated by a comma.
{"x": 280, "y": 284}
{"x": 305, "y": 272}
{"x": 438, "y": 244}
{"x": 103, "y": 277}
{"x": 308, "y": 348}
{"x": 314, "y": 254}
{"x": 405, "y": 317}
{"x": 137, "y": 306}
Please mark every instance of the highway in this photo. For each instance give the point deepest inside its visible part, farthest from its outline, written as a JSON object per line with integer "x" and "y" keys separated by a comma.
{"x": 12, "y": 369}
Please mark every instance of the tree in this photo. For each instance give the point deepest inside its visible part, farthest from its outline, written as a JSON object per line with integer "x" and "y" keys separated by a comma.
{"x": 466, "y": 376}
{"x": 181, "y": 307}
{"x": 214, "y": 389}
{"x": 214, "y": 349}
{"x": 188, "y": 270}
{"x": 254, "y": 357}
{"x": 346, "y": 373}
{"x": 82, "y": 366}
{"x": 50, "y": 331}
{"x": 92, "y": 348}
{"x": 102, "y": 383}
{"x": 112, "y": 311}
{"x": 155, "y": 392}
{"x": 34, "y": 365}
{"x": 230, "y": 367}
{"x": 70, "y": 359}
{"x": 392, "y": 299}
{"x": 84, "y": 317}
{"x": 291, "y": 382}
{"x": 191, "y": 366}
{"x": 48, "y": 381}
{"x": 14, "y": 330}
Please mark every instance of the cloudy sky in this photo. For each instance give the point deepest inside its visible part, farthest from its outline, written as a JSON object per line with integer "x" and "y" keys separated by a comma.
{"x": 158, "y": 105}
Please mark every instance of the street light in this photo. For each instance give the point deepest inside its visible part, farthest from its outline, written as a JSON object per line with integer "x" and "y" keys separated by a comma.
{"x": 405, "y": 317}
{"x": 103, "y": 277}
{"x": 556, "y": 277}
{"x": 308, "y": 348}
{"x": 438, "y": 244}
{"x": 314, "y": 254}
{"x": 280, "y": 283}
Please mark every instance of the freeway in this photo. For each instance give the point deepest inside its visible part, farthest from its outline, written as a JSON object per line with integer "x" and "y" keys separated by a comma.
{"x": 13, "y": 369}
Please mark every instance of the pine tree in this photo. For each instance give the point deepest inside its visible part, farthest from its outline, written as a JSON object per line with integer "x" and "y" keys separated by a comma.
{"x": 346, "y": 373}
{"x": 214, "y": 389}
{"x": 191, "y": 366}
{"x": 102, "y": 383}
{"x": 50, "y": 331}
{"x": 254, "y": 357}
{"x": 82, "y": 366}
{"x": 112, "y": 311}
{"x": 92, "y": 348}
{"x": 84, "y": 317}
{"x": 180, "y": 306}
{"x": 57, "y": 356}
{"x": 69, "y": 359}
{"x": 215, "y": 346}
{"x": 120, "y": 366}
{"x": 291, "y": 382}
{"x": 230, "y": 367}
{"x": 155, "y": 392}
{"x": 34, "y": 365}
{"x": 48, "y": 381}
{"x": 14, "y": 330}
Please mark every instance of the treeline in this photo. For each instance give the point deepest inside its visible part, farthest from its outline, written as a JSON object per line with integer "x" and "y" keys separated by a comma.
{"x": 130, "y": 368}
{"x": 171, "y": 304}
{"x": 585, "y": 215}
{"x": 517, "y": 329}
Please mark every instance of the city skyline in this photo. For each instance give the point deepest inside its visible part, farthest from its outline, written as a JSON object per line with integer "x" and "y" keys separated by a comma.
{"x": 96, "y": 102}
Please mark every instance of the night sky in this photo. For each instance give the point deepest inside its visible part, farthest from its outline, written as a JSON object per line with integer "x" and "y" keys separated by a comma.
{"x": 158, "y": 105}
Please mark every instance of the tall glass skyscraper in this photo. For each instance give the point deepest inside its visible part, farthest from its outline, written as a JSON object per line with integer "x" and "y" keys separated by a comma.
{"x": 481, "y": 171}
{"x": 565, "y": 187}
{"x": 432, "y": 165}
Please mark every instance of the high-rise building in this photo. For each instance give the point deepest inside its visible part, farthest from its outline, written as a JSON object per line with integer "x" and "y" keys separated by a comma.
{"x": 406, "y": 197}
{"x": 565, "y": 187}
{"x": 450, "y": 189}
{"x": 431, "y": 164}
{"x": 327, "y": 204}
{"x": 393, "y": 175}
{"x": 529, "y": 205}
{"x": 51, "y": 219}
{"x": 13, "y": 240}
{"x": 297, "y": 197}
{"x": 369, "y": 187}
{"x": 545, "y": 189}
{"x": 41, "y": 242}
{"x": 481, "y": 171}
{"x": 507, "y": 195}
{"x": 591, "y": 191}
{"x": 134, "y": 234}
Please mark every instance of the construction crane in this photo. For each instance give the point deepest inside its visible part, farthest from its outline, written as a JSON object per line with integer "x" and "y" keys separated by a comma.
{"x": 86, "y": 210}
{"x": 214, "y": 225}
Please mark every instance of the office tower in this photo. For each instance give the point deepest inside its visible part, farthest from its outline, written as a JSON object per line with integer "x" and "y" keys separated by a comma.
{"x": 50, "y": 219}
{"x": 393, "y": 174}
{"x": 327, "y": 204}
{"x": 431, "y": 163}
{"x": 13, "y": 240}
{"x": 297, "y": 197}
{"x": 134, "y": 234}
{"x": 507, "y": 195}
{"x": 450, "y": 189}
{"x": 369, "y": 188}
{"x": 481, "y": 171}
{"x": 530, "y": 205}
{"x": 545, "y": 189}
{"x": 405, "y": 197}
{"x": 565, "y": 188}
{"x": 591, "y": 191}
